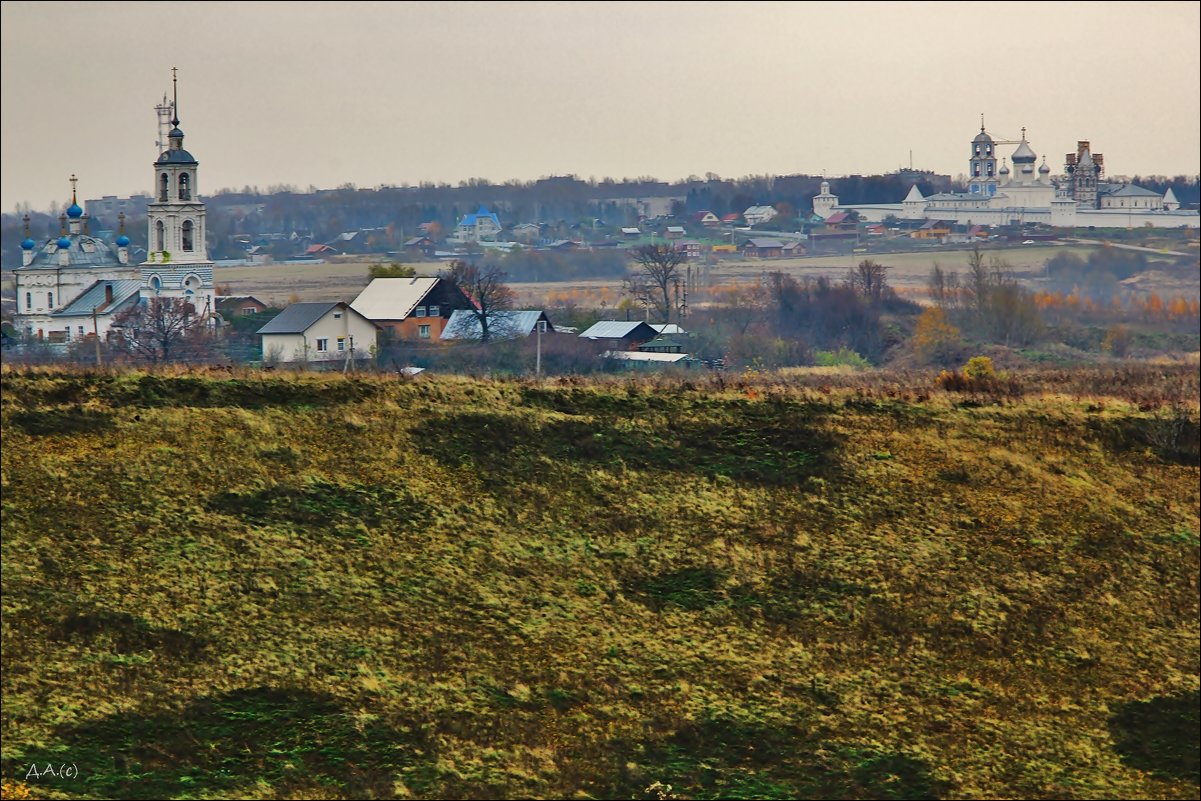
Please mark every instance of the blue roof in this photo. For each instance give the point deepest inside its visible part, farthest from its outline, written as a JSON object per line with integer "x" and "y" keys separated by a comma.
{"x": 93, "y": 298}
{"x": 463, "y": 324}
{"x": 74, "y": 211}
{"x": 470, "y": 219}
{"x": 180, "y": 156}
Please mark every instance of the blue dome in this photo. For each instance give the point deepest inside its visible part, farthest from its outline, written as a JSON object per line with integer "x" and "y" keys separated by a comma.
{"x": 28, "y": 244}
{"x": 63, "y": 243}
{"x": 74, "y": 212}
{"x": 122, "y": 241}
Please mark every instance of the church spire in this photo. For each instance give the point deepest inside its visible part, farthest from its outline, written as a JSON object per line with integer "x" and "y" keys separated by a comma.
{"x": 175, "y": 96}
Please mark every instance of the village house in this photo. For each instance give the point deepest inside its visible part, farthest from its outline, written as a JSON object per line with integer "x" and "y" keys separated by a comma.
{"x": 419, "y": 246}
{"x": 757, "y": 215}
{"x": 483, "y": 226}
{"x": 318, "y": 332}
{"x": 625, "y": 334}
{"x": 239, "y": 306}
{"x": 411, "y": 308}
{"x": 464, "y": 324}
{"x": 706, "y": 218}
{"x": 933, "y": 229}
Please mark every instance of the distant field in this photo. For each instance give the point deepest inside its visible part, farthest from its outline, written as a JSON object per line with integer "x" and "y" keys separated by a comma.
{"x": 279, "y": 283}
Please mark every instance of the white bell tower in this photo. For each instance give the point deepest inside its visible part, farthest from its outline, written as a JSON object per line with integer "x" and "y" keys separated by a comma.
{"x": 177, "y": 263}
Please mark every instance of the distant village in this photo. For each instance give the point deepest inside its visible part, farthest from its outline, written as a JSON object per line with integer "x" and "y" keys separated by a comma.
{"x": 98, "y": 276}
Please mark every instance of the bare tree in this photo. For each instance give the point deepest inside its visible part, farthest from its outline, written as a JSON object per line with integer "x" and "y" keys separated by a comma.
{"x": 155, "y": 329}
{"x": 485, "y": 286}
{"x": 660, "y": 267}
{"x": 869, "y": 280}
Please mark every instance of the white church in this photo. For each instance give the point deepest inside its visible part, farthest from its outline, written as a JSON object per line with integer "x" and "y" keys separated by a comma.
{"x": 1026, "y": 194}
{"x": 76, "y": 284}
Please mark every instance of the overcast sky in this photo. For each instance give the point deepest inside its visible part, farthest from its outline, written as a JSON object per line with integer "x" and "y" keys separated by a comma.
{"x": 324, "y": 94}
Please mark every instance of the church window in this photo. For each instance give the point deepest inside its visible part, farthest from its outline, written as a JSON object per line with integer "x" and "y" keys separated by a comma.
{"x": 156, "y": 283}
{"x": 29, "y": 301}
{"x": 187, "y": 235}
{"x": 185, "y": 190}
{"x": 49, "y": 300}
{"x": 162, "y": 189}
{"x": 160, "y": 234}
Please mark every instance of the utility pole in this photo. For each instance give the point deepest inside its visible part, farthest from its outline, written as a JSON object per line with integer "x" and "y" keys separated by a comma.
{"x": 541, "y": 326}
{"x": 96, "y": 336}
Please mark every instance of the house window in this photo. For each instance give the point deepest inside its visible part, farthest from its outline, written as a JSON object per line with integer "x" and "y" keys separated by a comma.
{"x": 341, "y": 344}
{"x": 423, "y": 331}
{"x": 337, "y": 315}
{"x": 67, "y": 334}
{"x": 81, "y": 330}
{"x": 420, "y": 311}
{"x": 322, "y": 345}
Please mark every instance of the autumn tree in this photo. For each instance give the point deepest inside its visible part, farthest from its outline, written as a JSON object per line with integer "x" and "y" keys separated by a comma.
{"x": 492, "y": 299}
{"x": 156, "y": 329}
{"x": 658, "y": 268}
{"x": 391, "y": 270}
{"x": 935, "y": 339}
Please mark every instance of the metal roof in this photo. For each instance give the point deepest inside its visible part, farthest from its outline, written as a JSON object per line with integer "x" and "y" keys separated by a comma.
{"x": 180, "y": 156}
{"x": 93, "y": 298}
{"x": 614, "y": 329}
{"x": 1130, "y": 190}
{"x": 640, "y": 356}
{"x": 298, "y": 318}
{"x": 760, "y": 242}
{"x": 464, "y": 324}
{"x": 84, "y": 251}
{"x": 392, "y": 298}
{"x": 668, "y": 328}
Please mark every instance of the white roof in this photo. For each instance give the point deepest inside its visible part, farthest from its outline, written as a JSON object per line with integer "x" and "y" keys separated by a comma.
{"x": 668, "y": 328}
{"x": 392, "y": 298}
{"x": 914, "y": 194}
{"x": 631, "y": 231}
{"x": 639, "y": 356}
{"x": 1169, "y": 196}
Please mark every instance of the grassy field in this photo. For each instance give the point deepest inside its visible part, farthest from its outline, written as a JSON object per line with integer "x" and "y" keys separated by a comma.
{"x": 247, "y": 585}
{"x": 277, "y": 283}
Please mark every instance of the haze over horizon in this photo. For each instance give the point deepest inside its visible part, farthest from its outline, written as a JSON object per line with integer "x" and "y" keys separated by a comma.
{"x": 403, "y": 93}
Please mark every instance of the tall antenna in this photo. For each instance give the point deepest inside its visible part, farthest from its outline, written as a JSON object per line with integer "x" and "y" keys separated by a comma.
{"x": 165, "y": 111}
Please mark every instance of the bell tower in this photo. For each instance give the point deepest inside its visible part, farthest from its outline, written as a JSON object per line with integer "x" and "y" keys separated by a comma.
{"x": 982, "y": 164}
{"x": 177, "y": 263}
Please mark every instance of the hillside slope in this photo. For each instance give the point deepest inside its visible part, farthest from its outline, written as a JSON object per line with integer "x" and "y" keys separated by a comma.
{"x": 319, "y": 587}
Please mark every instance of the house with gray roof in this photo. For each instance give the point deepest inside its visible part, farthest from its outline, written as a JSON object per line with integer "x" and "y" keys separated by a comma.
{"x": 318, "y": 332}
{"x": 464, "y": 324}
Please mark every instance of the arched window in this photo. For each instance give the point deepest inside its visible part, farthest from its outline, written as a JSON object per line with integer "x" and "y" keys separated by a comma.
{"x": 187, "y": 235}
{"x": 160, "y": 235}
{"x": 162, "y": 188}
{"x": 156, "y": 283}
{"x": 185, "y": 189}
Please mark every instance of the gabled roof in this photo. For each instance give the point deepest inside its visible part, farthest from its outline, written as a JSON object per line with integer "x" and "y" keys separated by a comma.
{"x": 730, "y": 217}
{"x": 470, "y": 219}
{"x": 236, "y": 300}
{"x": 668, "y": 328}
{"x": 417, "y": 240}
{"x": 298, "y": 318}
{"x": 618, "y": 329}
{"x": 760, "y": 242}
{"x": 392, "y": 298}
{"x": 1130, "y": 190}
{"x": 631, "y": 231}
{"x": 93, "y": 298}
{"x": 837, "y": 217}
{"x": 675, "y": 229}
{"x": 935, "y": 224}
{"x": 464, "y": 324}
